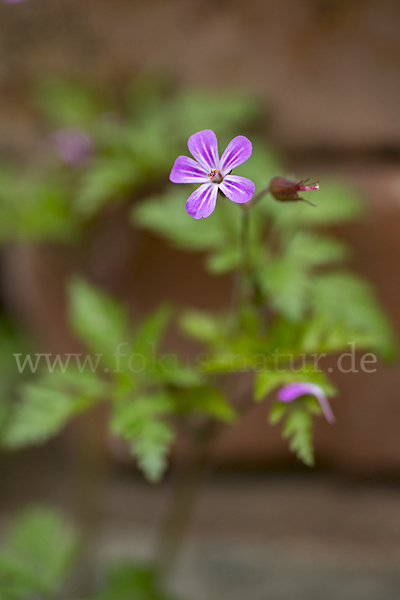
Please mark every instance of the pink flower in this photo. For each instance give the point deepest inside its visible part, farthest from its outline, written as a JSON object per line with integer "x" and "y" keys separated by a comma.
{"x": 212, "y": 172}
{"x": 292, "y": 391}
{"x": 74, "y": 146}
{"x": 12, "y": 1}
{"x": 287, "y": 190}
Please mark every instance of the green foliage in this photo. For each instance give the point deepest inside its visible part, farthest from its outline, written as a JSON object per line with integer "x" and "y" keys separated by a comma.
{"x": 291, "y": 302}
{"x": 97, "y": 319}
{"x": 298, "y": 424}
{"x": 345, "y": 310}
{"x": 109, "y": 178}
{"x": 132, "y": 582}
{"x": 138, "y": 422}
{"x": 298, "y": 414}
{"x": 204, "y": 400}
{"x": 298, "y": 429}
{"x": 165, "y": 215}
{"x": 34, "y": 207}
{"x": 47, "y": 404}
{"x": 37, "y": 555}
{"x": 202, "y": 326}
{"x": 287, "y": 279}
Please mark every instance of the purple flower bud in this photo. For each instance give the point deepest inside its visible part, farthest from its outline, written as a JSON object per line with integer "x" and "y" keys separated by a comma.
{"x": 292, "y": 391}
{"x": 286, "y": 190}
{"x": 74, "y": 146}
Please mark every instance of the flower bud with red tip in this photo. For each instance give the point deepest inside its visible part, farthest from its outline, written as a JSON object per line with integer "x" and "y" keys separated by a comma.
{"x": 286, "y": 190}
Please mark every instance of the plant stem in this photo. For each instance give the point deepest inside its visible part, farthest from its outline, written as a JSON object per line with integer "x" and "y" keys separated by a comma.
{"x": 189, "y": 479}
{"x": 191, "y": 474}
{"x": 256, "y": 199}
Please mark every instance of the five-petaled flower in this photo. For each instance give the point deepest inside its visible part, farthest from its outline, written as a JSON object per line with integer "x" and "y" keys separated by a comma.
{"x": 287, "y": 190}
{"x": 212, "y": 172}
{"x": 292, "y": 391}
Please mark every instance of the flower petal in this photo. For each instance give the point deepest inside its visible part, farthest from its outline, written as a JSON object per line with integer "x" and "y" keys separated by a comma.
{"x": 236, "y": 188}
{"x": 294, "y": 390}
{"x": 202, "y": 202}
{"x": 187, "y": 170}
{"x": 204, "y": 147}
{"x": 236, "y": 152}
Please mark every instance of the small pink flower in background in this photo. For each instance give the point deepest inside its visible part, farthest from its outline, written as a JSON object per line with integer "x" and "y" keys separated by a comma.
{"x": 287, "y": 190}
{"x": 12, "y": 1}
{"x": 212, "y": 172}
{"x": 292, "y": 391}
{"x": 74, "y": 146}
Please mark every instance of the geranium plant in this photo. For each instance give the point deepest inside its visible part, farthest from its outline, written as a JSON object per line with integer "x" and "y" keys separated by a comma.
{"x": 292, "y": 298}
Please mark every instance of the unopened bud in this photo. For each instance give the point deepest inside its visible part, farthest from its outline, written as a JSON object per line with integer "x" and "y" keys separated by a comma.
{"x": 286, "y": 190}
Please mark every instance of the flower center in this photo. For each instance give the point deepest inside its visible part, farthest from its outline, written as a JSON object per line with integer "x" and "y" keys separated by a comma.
{"x": 215, "y": 176}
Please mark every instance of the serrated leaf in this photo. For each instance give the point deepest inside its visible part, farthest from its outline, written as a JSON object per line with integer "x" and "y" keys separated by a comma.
{"x": 46, "y": 405}
{"x": 298, "y": 428}
{"x": 278, "y": 410}
{"x": 287, "y": 280}
{"x": 345, "y": 310}
{"x": 99, "y": 321}
{"x": 140, "y": 422}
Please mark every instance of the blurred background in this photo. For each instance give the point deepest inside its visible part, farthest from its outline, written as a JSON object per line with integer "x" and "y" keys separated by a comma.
{"x": 325, "y": 76}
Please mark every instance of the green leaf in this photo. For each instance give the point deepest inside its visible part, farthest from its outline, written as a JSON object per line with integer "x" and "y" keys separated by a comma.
{"x": 46, "y": 405}
{"x": 224, "y": 260}
{"x": 278, "y": 410}
{"x": 287, "y": 286}
{"x": 298, "y": 429}
{"x": 287, "y": 280}
{"x": 37, "y": 555}
{"x": 132, "y": 582}
{"x": 106, "y": 180}
{"x": 35, "y": 207}
{"x": 314, "y": 250}
{"x": 169, "y": 369}
{"x": 99, "y": 321}
{"x": 202, "y": 326}
{"x": 204, "y": 400}
{"x": 140, "y": 423}
{"x": 151, "y": 330}
{"x": 167, "y": 216}
{"x": 345, "y": 310}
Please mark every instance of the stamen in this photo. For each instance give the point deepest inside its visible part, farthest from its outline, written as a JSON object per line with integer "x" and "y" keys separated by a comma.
{"x": 212, "y": 173}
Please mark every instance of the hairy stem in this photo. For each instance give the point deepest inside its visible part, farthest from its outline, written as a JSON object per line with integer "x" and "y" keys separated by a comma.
{"x": 188, "y": 482}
